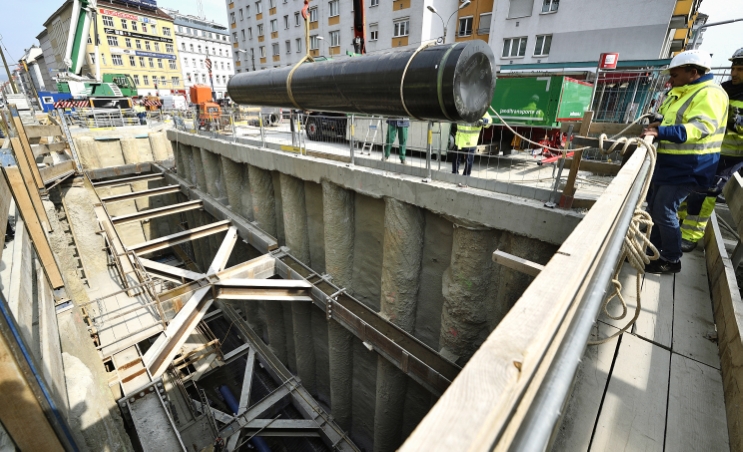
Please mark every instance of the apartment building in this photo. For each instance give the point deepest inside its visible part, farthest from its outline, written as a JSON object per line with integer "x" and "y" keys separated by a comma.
{"x": 270, "y": 33}
{"x": 136, "y": 41}
{"x": 197, "y": 40}
{"x": 551, "y": 31}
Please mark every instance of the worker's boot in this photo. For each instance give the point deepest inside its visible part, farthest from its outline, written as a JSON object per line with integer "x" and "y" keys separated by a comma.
{"x": 663, "y": 266}
{"x": 687, "y": 245}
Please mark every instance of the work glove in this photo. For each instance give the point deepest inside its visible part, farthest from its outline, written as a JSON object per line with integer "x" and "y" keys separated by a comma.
{"x": 481, "y": 123}
{"x": 735, "y": 119}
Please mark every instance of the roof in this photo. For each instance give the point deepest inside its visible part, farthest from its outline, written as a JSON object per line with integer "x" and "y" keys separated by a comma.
{"x": 112, "y": 4}
{"x": 198, "y": 23}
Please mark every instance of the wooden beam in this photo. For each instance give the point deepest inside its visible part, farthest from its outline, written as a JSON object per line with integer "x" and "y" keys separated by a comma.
{"x": 128, "y": 180}
{"x": 156, "y": 213}
{"x": 34, "y": 225}
{"x": 144, "y": 193}
{"x": 43, "y": 131}
{"x": 162, "y": 243}
{"x": 168, "y": 343}
{"x": 486, "y": 404}
{"x": 568, "y": 192}
{"x": 264, "y": 290}
{"x": 43, "y": 149}
{"x": 27, "y": 180}
{"x": 175, "y": 274}
{"x": 225, "y": 250}
{"x": 516, "y": 263}
{"x": 54, "y": 172}
{"x": 24, "y": 156}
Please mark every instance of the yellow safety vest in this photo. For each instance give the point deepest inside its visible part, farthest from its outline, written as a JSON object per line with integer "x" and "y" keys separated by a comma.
{"x": 702, "y": 108}
{"x": 732, "y": 144}
{"x": 468, "y": 134}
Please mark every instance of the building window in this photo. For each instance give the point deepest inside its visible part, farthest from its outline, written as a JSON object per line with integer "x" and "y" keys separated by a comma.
{"x": 169, "y": 48}
{"x": 203, "y": 78}
{"x": 258, "y": 8}
{"x": 373, "y": 3}
{"x": 112, "y": 41}
{"x": 146, "y": 79}
{"x": 286, "y": 22}
{"x": 275, "y": 49}
{"x": 542, "y": 46}
{"x": 401, "y": 28}
{"x": 334, "y": 10}
{"x": 465, "y": 26}
{"x": 157, "y": 46}
{"x": 128, "y": 42}
{"x": 103, "y": 59}
{"x": 166, "y": 31}
{"x": 296, "y": 19}
{"x": 335, "y": 38}
{"x": 229, "y": 67}
{"x": 138, "y": 43}
{"x": 153, "y": 28}
{"x": 147, "y": 45}
{"x": 132, "y": 61}
{"x": 313, "y": 14}
{"x": 90, "y": 41}
{"x": 241, "y": 14}
{"x": 260, "y": 29}
{"x": 201, "y": 63}
{"x": 250, "y": 32}
{"x": 141, "y": 61}
{"x": 514, "y": 47}
{"x": 108, "y": 21}
{"x": 274, "y": 26}
{"x": 199, "y": 48}
{"x": 172, "y": 64}
{"x": 160, "y": 63}
{"x": 144, "y": 28}
{"x": 117, "y": 61}
{"x": 550, "y": 6}
{"x": 232, "y": 17}
{"x": 373, "y": 32}
{"x": 272, "y": 4}
{"x": 124, "y": 24}
{"x": 136, "y": 80}
{"x": 247, "y": 10}
{"x": 263, "y": 52}
{"x": 243, "y": 34}
{"x": 520, "y": 8}
{"x": 288, "y": 46}
{"x": 183, "y": 46}
{"x": 175, "y": 81}
{"x": 134, "y": 26}
{"x": 151, "y": 62}
{"x": 92, "y": 58}
{"x": 483, "y": 27}
{"x": 234, "y": 35}
{"x": 314, "y": 42}
{"x": 185, "y": 62}
{"x": 180, "y": 29}
{"x": 299, "y": 45}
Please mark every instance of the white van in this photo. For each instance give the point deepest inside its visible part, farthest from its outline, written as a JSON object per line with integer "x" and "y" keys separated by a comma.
{"x": 175, "y": 102}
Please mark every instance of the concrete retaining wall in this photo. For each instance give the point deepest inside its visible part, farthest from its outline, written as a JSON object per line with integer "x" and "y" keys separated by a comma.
{"x": 102, "y": 151}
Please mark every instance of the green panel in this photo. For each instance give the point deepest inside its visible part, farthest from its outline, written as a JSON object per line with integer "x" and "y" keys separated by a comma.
{"x": 77, "y": 44}
{"x": 528, "y": 100}
{"x": 575, "y": 98}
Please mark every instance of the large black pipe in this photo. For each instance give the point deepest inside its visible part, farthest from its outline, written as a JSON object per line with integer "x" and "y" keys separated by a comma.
{"x": 451, "y": 82}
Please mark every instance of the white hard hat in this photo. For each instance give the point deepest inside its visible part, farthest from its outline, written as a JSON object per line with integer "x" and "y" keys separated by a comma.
{"x": 691, "y": 57}
{"x": 738, "y": 55}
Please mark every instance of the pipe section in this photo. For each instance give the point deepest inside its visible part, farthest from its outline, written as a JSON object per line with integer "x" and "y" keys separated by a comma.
{"x": 452, "y": 82}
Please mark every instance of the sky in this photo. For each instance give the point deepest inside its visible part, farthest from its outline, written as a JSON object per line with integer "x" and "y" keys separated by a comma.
{"x": 19, "y": 26}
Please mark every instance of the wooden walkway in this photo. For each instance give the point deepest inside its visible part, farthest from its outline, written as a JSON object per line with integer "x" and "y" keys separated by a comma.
{"x": 657, "y": 387}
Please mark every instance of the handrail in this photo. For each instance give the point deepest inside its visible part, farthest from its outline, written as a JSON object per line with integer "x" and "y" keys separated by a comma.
{"x": 515, "y": 385}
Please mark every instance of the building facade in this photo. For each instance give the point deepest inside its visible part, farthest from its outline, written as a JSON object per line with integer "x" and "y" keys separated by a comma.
{"x": 134, "y": 41}
{"x": 550, "y": 31}
{"x": 270, "y": 33}
{"x": 198, "y": 40}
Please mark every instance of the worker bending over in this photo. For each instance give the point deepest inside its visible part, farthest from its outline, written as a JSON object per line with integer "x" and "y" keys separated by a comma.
{"x": 466, "y": 143}
{"x": 699, "y": 206}
{"x": 694, "y": 116}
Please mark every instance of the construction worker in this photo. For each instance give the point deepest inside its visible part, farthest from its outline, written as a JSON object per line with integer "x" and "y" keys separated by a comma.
{"x": 466, "y": 143}
{"x": 694, "y": 116}
{"x": 699, "y": 206}
{"x": 396, "y": 126}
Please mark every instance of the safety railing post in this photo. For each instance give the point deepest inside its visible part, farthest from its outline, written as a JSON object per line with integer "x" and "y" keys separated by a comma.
{"x": 429, "y": 147}
{"x": 232, "y": 126}
{"x": 263, "y": 130}
{"x": 351, "y": 131}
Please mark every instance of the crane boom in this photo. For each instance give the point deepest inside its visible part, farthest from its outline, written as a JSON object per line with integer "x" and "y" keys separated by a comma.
{"x": 82, "y": 13}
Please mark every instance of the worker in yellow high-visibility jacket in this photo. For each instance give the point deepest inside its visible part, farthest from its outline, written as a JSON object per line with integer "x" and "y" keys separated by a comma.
{"x": 694, "y": 114}
{"x": 699, "y": 206}
{"x": 466, "y": 143}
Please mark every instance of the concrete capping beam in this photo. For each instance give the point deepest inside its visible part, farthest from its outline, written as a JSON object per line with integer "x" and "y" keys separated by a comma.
{"x": 526, "y": 217}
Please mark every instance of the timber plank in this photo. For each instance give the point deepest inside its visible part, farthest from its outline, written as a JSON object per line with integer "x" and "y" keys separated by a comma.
{"x": 656, "y": 319}
{"x": 43, "y": 149}
{"x": 634, "y": 411}
{"x": 28, "y": 180}
{"x": 33, "y": 225}
{"x": 692, "y": 318}
{"x": 696, "y": 412}
{"x": 26, "y": 156}
{"x": 44, "y": 131}
{"x": 583, "y": 406}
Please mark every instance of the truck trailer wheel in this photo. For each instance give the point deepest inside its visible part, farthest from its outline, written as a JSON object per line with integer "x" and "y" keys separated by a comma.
{"x": 313, "y": 129}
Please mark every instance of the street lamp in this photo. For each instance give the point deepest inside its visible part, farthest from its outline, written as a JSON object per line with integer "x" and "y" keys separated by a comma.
{"x": 465, "y": 4}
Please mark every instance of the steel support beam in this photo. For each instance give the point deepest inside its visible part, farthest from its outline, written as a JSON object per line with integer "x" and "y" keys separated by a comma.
{"x": 159, "y": 212}
{"x": 247, "y": 382}
{"x": 162, "y": 243}
{"x": 175, "y": 274}
{"x": 144, "y": 193}
{"x": 263, "y": 289}
{"x": 127, "y": 180}
{"x": 224, "y": 252}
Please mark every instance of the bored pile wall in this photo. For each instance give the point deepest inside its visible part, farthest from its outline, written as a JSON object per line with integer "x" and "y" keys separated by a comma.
{"x": 461, "y": 294}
